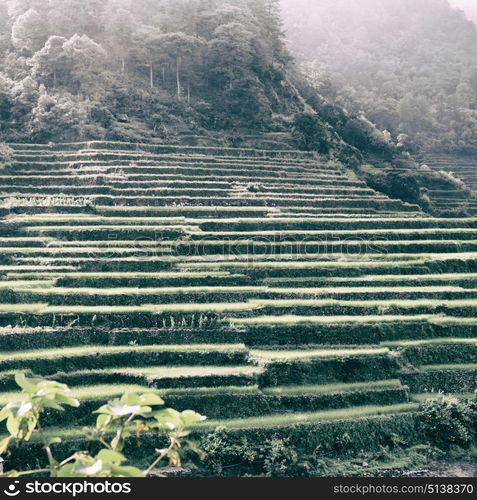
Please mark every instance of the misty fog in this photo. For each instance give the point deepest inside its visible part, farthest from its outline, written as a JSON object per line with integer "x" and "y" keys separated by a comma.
{"x": 409, "y": 65}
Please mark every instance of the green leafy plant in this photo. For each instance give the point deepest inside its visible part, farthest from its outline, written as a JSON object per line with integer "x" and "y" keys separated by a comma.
{"x": 448, "y": 421}
{"x": 117, "y": 420}
{"x": 6, "y": 155}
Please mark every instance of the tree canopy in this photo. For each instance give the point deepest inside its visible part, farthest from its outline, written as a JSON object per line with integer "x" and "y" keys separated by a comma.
{"x": 135, "y": 68}
{"x": 410, "y": 65}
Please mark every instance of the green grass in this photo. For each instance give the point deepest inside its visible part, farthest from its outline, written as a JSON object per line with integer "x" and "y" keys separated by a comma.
{"x": 36, "y": 284}
{"x": 73, "y": 250}
{"x": 22, "y": 239}
{"x": 333, "y": 388}
{"x": 288, "y": 419}
{"x": 126, "y": 244}
{"x": 251, "y": 305}
{"x": 59, "y": 218}
{"x": 307, "y": 243}
{"x": 343, "y": 232}
{"x": 327, "y": 320}
{"x": 209, "y": 226}
{"x": 36, "y": 287}
{"x": 449, "y": 367}
{"x": 405, "y": 277}
{"x": 86, "y": 218}
{"x": 218, "y": 209}
{"x": 121, "y": 275}
{"x": 370, "y": 289}
{"x": 141, "y": 291}
{"x": 180, "y": 371}
{"x": 424, "y": 396}
{"x": 146, "y": 308}
{"x": 450, "y": 320}
{"x": 245, "y": 389}
{"x": 87, "y": 392}
{"x": 308, "y": 418}
{"x": 32, "y": 229}
{"x": 413, "y": 343}
{"x": 22, "y": 308}
{"x": 292, "y": 355}
{"x": 409, "y": 304}
{"x": 31, "y": 268}
{"x": 333, "y": 261}
{"x": 150, "y": 308}
{"x": 109, "y": 391}
{"x": 102, "y": 350}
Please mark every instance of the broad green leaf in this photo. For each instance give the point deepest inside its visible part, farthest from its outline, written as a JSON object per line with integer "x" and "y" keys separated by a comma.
{"x": 110, "y": 456}
{"x": 102, "y": 421}
{"x": 168, "y": 419}
{"x": 5, "y": 413}
{"x": 121, "y": 410}
{"x": 13, "y": 425}
{"x": 190, "y": 417}
{"x": 13, "y": 473}
{"x": 24, "y": 408}
{"x": 67, "y": 400}
{"x": 28, "y": 385}
{"x": 4, "y": 443}
{"x": 126, "y": 471}
{"x": 89, "y": 469}
{"x": 103, "y": 409}
{"x": 51, "y": 403}
{"x": 19, "y": 409}
{"x": 67, "y": 471}
{"x": 130, "y": 398}
{"x": 151, "y": 399}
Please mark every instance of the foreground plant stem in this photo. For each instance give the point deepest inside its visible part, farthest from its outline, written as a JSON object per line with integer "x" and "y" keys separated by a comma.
{"x": 51, "y": 459}
{"x": 160, "y": 457}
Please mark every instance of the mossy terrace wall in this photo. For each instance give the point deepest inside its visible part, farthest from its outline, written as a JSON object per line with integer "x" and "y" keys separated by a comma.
{"x": 268, "y": 290}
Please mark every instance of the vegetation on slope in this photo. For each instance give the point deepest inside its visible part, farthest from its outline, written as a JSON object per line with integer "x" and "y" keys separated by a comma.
{"x": 131, "y": 70}
{"x": 411, "y": 65}
{"x": 192, "y": 69}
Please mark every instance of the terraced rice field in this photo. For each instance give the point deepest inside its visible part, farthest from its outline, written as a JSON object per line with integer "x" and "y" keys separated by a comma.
{"x": 464, "y": 167}
{"x": 260, "y": 288}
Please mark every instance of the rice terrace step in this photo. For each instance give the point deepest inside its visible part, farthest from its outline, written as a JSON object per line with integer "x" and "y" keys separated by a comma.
{"x": 269, "y": 290}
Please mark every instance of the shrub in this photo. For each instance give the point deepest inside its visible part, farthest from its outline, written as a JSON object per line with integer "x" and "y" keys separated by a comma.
{"x": 117, "y": 421}
{"x": 396, "y": 184}
{"x": 447, "y": 421}
{"x": 6, "y": 155}
{"x": 310, "y": 133}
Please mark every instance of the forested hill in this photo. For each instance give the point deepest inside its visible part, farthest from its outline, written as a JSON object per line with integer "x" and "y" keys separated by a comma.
{"x": 411, "y": 65}
{"x": 130, "y": 69}
{"x": 469, "y": 7}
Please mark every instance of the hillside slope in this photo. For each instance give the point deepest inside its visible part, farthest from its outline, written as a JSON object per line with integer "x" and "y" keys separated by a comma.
{"x": 269, "y": 290}
{"x": 121, "y": 69}
{"x": 411, "y": 65}
{"x": 194, "y": 72}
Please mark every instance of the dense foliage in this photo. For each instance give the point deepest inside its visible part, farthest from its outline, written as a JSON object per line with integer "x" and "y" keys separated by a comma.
{"x": 129, "y": 69}
{"x": 411, "y": 65}
{"x": 442, "y": 425}
{"x": 133, "y": 70}
{"x": 116, "y": 422}
{"x": 126, "y": 69}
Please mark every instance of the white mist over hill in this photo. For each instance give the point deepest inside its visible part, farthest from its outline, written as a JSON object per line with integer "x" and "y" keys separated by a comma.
{"x": 468, "y": 6}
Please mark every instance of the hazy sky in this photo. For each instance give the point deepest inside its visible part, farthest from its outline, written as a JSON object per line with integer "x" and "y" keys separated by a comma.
{"x": 468, "y": 6}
